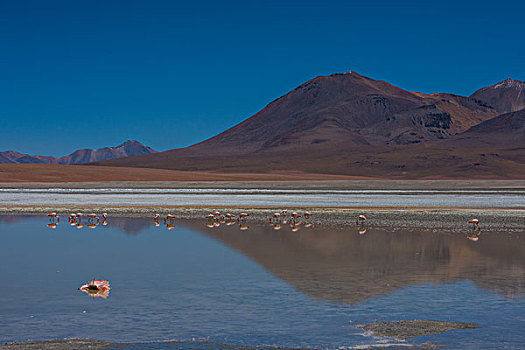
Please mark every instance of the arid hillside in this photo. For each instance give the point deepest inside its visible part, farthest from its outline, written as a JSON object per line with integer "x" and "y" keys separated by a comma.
{"x": 349, "y": 124}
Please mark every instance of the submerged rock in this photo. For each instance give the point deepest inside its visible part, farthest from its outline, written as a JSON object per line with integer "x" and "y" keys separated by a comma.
{"x": 57, "y": 344}
{"x": 409, "y": 329}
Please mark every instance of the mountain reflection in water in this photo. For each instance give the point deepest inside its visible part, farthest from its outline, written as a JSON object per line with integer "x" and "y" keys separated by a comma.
{"x": 344, "y": 265}
{"x": 341, "y": 265}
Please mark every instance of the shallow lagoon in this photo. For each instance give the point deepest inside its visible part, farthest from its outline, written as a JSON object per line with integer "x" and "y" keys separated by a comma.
{"x": 257, "y": 287}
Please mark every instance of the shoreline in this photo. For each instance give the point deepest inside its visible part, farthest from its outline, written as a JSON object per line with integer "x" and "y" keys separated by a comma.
{"x": 450, "y": 219}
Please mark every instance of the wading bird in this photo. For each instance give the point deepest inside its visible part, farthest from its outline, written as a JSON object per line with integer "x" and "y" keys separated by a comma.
{"x": 360, "y": 219}
{"x": 96, "y": 288}
{"x": 54, "y": 218}
{"x": 242, "y": 217}
{"x": 72, "y": 219}
{"x": 293, "y": 217}
{"x": 276, "y": 217}
{"x": 92, "y": 218}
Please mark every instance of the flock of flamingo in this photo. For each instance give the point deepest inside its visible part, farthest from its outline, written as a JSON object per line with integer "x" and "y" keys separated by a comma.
{"x": 214, "y": 219}
{"x": 75, "y": 219}
{"x": 100, "y": 288}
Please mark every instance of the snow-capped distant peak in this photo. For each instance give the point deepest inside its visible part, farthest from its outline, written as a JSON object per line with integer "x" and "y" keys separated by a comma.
{"x": 510, "y": 83}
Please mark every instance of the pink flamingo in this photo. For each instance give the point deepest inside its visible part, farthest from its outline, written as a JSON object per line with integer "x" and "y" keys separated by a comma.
{"x": 54, "y": 216}
{"x": 92, "y": 218}
{"x": 96, "y": 288}
{"x": 242, "y": 217}
{"x": 360, "y": 219}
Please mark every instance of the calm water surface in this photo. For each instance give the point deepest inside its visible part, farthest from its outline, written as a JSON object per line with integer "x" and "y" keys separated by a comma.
{"x": 258, "y": 286}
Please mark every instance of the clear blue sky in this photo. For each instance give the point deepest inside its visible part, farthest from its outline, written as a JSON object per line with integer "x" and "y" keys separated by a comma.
{"x": 87, "y": 74}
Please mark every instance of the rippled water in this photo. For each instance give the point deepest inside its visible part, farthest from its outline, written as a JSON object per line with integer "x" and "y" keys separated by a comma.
{"x": 258, "y": 286}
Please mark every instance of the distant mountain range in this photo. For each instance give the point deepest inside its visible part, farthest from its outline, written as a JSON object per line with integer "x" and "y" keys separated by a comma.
{"x": 128, "y": 148}
{"x": 350, "y": 124}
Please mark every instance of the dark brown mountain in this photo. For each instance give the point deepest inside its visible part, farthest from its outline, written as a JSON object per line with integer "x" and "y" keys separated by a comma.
{"x": 353, "y": 109}
{"x": 506, "y": 96}
{"x": 127, "y": 149}
{"x": 353, "y": 125}
{"x": 507, "y": 129}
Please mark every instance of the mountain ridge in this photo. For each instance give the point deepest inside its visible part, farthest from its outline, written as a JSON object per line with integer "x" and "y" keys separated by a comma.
{"x": 81, "y": 156}
{"x": 349, "y": 124}
{"x": 506, "y": 96}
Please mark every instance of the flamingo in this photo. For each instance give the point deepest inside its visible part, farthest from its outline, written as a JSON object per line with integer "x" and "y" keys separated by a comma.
{"x": 72, "y": 219}
{"x": 360, "y": 219}
{"x": 96, "y": 288}
{"x": 475, "y": 225}
{"x": 293, "y": 217}
{"x": 242, "y": 217}
{"x": 105, "y": 216}
{"x": 169, "y": 219}
{"x": 276, "y": 227}
{"x": 54, "y": 216}
{"x": 307, "y": 215}
{"x": 92, "y": 217}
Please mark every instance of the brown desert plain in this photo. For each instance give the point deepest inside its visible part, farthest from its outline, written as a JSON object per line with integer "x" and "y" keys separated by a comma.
{"x": 52, "y": 173}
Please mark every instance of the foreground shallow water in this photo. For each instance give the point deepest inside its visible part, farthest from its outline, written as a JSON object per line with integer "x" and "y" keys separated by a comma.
{"x": 259, "y": 286}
